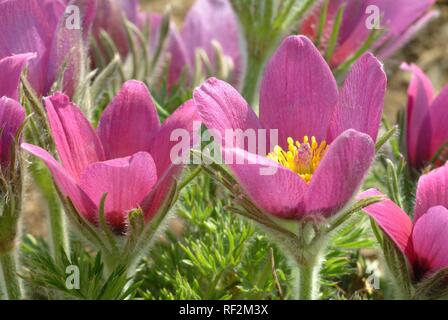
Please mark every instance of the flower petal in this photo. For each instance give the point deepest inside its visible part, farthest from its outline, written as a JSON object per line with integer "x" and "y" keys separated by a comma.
{"x": 10, "y": 69}
{"x": 12, "y": 115}
{"x": 340, "y": 174}
{"x": 432, "y": 190}
{"x": 26, "y": 28}
{"x": 420, "y": 97}
{"x": 184, "y": 120}
{"x": 298, "y": 91}
{"x": 67, "y": 49}
{"x": 129, "y": 122}
{"x": 361, "y": 100}
{"x": 394, "y": 44}
{"x": 126, "y": 181}
{"x": 438, "y": 115}
{"x": 210, "y": 20}
{"x": 109, "y": 18}
{"x": 222, "y": 108}
{"x": 66, "y": 183}
{"x": 272, "y": 187}
{"x": 430, "y": 238}
{"x": 392, "y": 220}
{"x": 76, "y": 141}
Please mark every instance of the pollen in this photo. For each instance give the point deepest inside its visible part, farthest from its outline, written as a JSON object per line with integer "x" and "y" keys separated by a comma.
{"x": 302, "y": 158}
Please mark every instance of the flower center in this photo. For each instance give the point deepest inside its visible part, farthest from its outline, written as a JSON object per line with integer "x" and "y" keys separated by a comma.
{"x": 302, "y": 158}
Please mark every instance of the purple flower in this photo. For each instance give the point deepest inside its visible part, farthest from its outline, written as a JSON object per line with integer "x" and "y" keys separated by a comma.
{"x": 424, "y": 240}
{"x": 207, "y": 20}
{"x": 329, "y": 135}
{"x": 426, "y": 133}
{"x": 40, "y": 27}
{"x": 127, "y": 156}
{"x": 400, "y": 19}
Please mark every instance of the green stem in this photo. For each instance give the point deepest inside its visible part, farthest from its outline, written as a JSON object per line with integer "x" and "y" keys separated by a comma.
{"x": 58, "y": 235}
{"x": 57, "y": 226}
{"x": 10, "y": 277}
{"x": 254, "y": 68}
{"x": 308, "y": 278}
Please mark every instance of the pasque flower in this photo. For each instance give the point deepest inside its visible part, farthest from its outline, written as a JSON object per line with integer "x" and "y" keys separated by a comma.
{"x": 423, "y": 241}
{"x": 34, "y": 26}
{"x": 326, "y": 137}
{"x": 399, "y": 21}
{"x": 426, "y": 133}
{"x": 110, "y": 16}
{"x": 207, "y": 21}
{"x": 127, "y": 156}
{"x": 12, "y": 113}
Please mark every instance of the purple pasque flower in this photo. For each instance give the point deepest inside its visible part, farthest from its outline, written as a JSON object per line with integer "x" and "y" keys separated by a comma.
{"x": 426, "y": 133}
{"x": 41, "y": 27}
{"x": 328, "y": 134}
{"x": 424, "y": 240}
{"x": 127, "y": 156}
{"x": 399, "y": 21}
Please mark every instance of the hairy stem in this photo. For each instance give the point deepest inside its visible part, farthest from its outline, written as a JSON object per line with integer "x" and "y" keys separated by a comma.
{"x": 11, "y": 281}
{"x": 58, "y": 235}
{"x": 308, "y": 281}
{"x": 252, "y": 78}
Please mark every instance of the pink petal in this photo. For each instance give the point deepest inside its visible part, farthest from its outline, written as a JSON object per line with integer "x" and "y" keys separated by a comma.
{"x": 438, "y": 115}
{"x": 12, "y": 115}
{"x": 402, "y": 39}
{"x": 222, "y": 108}
{"x": 210, "y": 20}
{"x": 184, "y": 120}
{"x": 109, "y": 18}
{"x": 298, "y": 91}
{"x": 392, "y": 220}
{"x": 396, "y": 17}
{"x": 67, "y": 52}
{"x": 10, "y": 69}
{"x": 361, "y": 100}
{"x": 272, "y": 188}
{"x": 420, "y": 96}
{"x": 340, "y": 174}
{"x": 432, "y": 190}
{"x": 76, "y": 141}
{"x": 129, "y": 122}
{"x": 180, "y": 64}
{"x": 430, "y": 238}
{"x": 66, "y": 183}
{"x": 399, "y": 15}
{"x": 126, "y": 181}
{"x": 25, "y": 27}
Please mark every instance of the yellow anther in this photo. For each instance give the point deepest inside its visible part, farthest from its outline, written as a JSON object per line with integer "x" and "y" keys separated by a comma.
{"x": 301, "y": 158}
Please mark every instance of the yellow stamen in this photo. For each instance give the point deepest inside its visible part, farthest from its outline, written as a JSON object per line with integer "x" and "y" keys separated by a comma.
{"x": 301, "y": 158}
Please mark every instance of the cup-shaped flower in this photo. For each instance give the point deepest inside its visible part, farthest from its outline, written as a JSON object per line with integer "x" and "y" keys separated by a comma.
{"x": 206, "y": 22}
{"x": 394, "y": 21}
{"x": 127, "y": 157}
{"x": 423, "y": 241}
{"x": 329, "y": 135}
{"x": 426, "y": 134}
{"x": 51, "y": 30}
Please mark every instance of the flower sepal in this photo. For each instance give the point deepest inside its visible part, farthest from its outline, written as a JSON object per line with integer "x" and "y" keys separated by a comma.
{"x": 396, "y": 262}
{"x": 121, "y": 247}
{"x": 11, "y": 184}
{"x": 434, "y": 287}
